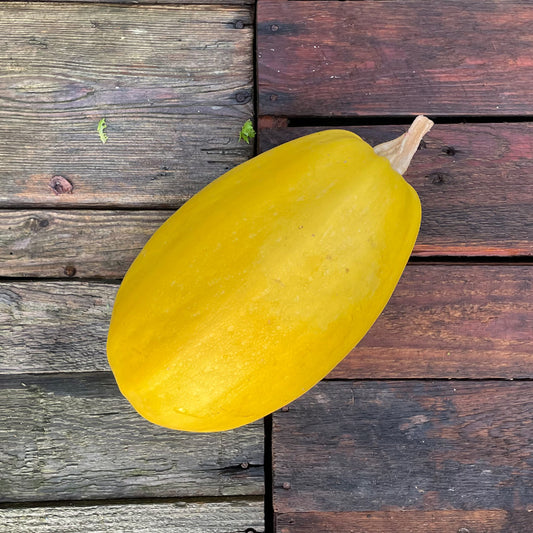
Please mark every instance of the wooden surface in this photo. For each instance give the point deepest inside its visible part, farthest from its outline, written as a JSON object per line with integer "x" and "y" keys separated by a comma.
{"x": 74, "y": 243}
{"x": 407, "y": 522}
{"x": 395, "y": 58}
{"x": 450, "y": 321}
{"x": 173, "y": 82}
{"x": 426, "y": 425}
{"x": 230, "y": 516}
{"x": 443, "y": 321}
{"x": 73, "y": 436}
{"x": 474, "y": 182}
{"x": 411, "y": 445}
{"x": 402, "y": 446}
{"x": 381, "y": 446}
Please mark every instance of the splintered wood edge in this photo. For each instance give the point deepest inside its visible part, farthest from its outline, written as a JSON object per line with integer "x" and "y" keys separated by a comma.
{"x": 401, "y": 150}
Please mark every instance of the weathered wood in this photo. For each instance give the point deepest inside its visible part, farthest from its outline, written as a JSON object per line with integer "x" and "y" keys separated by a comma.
{"x": 234, "y": 516}
{"x": 408, "y": 522}
{"x": 173, "y": 82}
{"x": 154, "y": 2}
{"x": 467, "y": 321}
{"x": 473, "y": 181}
{"x": 54, "y": 326}
{"x": 405, "y": 446}
{"x": 68, "y": 243}
{"x": 73, "y": 436}
{"x": 464, "y": 321}
{"x": 394, "y": 57}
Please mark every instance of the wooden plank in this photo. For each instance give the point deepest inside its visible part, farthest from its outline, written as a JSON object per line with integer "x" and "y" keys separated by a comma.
{"x": 463, "y": 321}
{"x": 405, "y": 446}
{"x": 473, "y": 181}
{"x": 72, "y": 243}
{"x": 235, "y": 516}
{"x": 408, "y": 522}
{"x": 443, "y": 321}
{"x": 54, "y": 326}
{"x": 173, "y": 82}
{"x": 154, "y": 2}
{"x": 394, "y": 58}
{"x": 73, "y": 436}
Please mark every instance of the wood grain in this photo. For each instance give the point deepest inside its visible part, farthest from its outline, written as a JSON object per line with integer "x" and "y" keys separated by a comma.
{"x": 226, "y": 516}
{"x": 394, "y": 58}
{"x": 408, "y": 522}
{"x": 173, "y": 82}
{"x": 73, "y": 436}
{"x": 462, "y": 321}
{"x": 154, "y": 2}
{"x": 405, "y": 446}
{"x": 443, "y": 321}
{"x": 473, "y": 181}
{"x": 74, "y": 243}
{"x": 54, "y": 326}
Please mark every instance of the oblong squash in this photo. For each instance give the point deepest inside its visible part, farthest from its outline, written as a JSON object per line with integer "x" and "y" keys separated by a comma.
{"x": 261, "y": 283}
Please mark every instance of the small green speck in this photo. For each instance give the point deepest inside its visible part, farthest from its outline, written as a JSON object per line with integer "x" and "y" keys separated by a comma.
{"x": 247, "y": 132}
{"x": 100, "y": 129}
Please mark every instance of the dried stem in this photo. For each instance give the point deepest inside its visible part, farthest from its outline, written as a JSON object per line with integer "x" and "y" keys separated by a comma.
{"x": 400, "y": 151}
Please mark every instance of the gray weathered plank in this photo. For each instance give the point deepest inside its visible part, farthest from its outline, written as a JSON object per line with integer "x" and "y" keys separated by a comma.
{"x": 73, "y": 436}
{"x": 154, "y": 2}
{"x": 67, "y": 243}
{"x": 474, "y": 183}
{"x": 405, "y": 446}
{"x": 228, "y": 516}
{"x": 173, "y": 82}
{"x": 463, "y": 321}
{"x": 54, "y": 326}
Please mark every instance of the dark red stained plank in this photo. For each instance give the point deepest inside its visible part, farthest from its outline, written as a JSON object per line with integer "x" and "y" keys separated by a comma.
{"x": 395, "y": 57}
{"x": 446, "y": 321}
{"x": 408, "y": 522}
{"x": 474, "y": 182}
{"x": 405, "y": 446}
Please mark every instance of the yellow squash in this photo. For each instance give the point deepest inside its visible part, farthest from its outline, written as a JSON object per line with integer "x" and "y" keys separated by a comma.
{"x": 262, "y": 282}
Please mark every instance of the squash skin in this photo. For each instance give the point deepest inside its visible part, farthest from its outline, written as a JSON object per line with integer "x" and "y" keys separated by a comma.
{"x": 262, "y": 283}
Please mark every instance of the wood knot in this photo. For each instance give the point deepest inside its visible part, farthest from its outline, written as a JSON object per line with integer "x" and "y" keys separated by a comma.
{"x": 70, "y": 271}
{"x": 60, "y": 185}
{"x": 243, "y": 97}
{"x": 439, "y": 178}
{"x": 449, "y": 150}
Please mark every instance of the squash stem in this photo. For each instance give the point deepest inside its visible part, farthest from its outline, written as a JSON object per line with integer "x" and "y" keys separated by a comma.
{"x": 401, "y": 150}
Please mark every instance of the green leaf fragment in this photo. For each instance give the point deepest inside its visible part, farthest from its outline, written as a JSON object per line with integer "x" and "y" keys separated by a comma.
{"x": 247, "y": 132}
{"x": 100, "y": 129}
